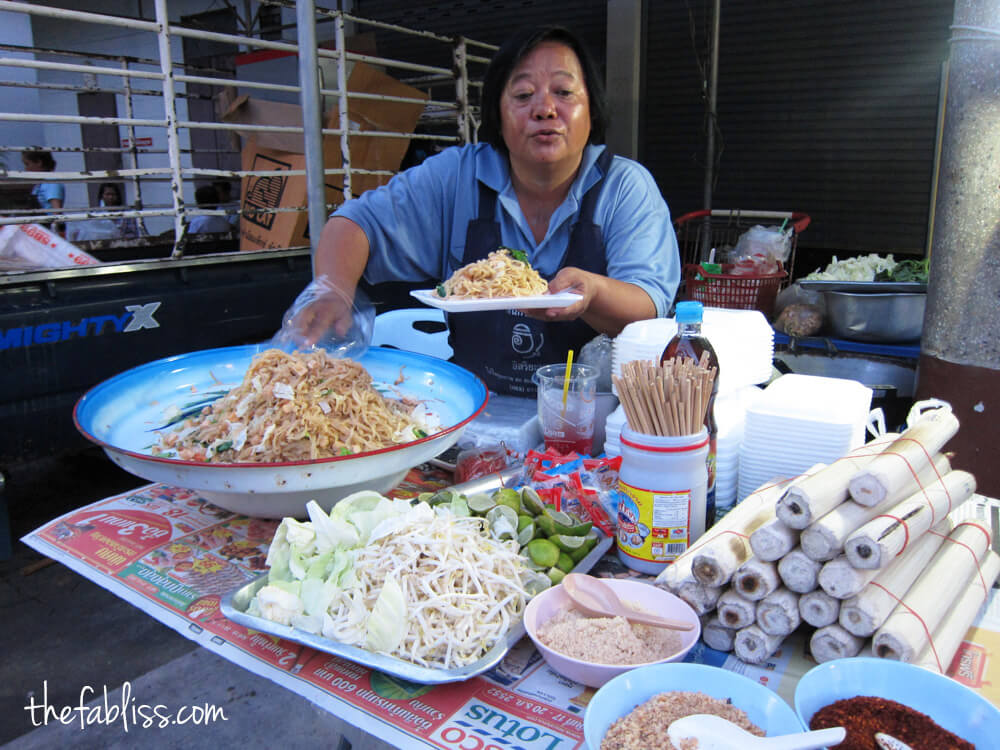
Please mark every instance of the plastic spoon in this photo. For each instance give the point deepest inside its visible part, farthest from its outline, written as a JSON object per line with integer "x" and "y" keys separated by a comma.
{"x": 597, "y": 598}
{"x": 716, "y": 733}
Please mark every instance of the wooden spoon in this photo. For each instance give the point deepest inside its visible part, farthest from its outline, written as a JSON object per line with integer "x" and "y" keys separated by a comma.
{"x": 595, "y": 597}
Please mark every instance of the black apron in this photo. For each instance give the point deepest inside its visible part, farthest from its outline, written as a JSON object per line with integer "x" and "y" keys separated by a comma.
{"x": 505, "y": 347}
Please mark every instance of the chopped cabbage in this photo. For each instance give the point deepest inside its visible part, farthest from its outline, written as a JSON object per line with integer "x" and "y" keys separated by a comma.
{"x": 861, "y": 268}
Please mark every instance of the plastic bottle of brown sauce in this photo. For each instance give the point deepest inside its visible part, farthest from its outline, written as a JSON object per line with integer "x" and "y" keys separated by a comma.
{"x": 689, "y": 342}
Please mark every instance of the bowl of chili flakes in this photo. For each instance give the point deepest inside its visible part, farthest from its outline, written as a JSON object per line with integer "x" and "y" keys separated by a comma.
{"x": 867, "y": 683}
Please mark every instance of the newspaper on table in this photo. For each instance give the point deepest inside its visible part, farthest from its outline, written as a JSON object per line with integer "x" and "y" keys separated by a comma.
{"x": 174, "y": 555}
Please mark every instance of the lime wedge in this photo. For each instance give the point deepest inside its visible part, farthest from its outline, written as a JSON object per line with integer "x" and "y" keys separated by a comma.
{"x": 555, "y": 575}
{"x": 582, "y": 551}
{"x": 531, "y": 501}
{"x": 526, "y": 534}
{"x": 543, "y": 552}
{"x": 564, "y": 523}
{"x": 531, "y": 564}
{"x": 535, "y": 582}
{"x": 510, "y": 498}
{"x": 546, "y": 524}
{"x": 565, "y": 563}
{"x": 442, "y": 497}
{"x": 568, "y": 543}
{"x": 481, "y": 504}
{"x": 503, "y": 522}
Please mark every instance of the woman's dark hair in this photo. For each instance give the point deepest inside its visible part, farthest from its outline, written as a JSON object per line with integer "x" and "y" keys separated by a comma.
{"x": 42, "y": 157}
{"x": 114, "y": 186}
{"x": 515, "y": 49}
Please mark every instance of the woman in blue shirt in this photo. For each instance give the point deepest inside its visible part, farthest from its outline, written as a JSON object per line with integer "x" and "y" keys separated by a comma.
{"x": 541, "y": 182}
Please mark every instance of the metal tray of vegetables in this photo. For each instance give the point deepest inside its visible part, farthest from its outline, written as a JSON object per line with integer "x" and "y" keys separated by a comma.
{"x": 431, "y": 592}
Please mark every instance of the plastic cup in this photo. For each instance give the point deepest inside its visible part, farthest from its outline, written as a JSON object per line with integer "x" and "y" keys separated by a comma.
{"x": 569, "y": 426}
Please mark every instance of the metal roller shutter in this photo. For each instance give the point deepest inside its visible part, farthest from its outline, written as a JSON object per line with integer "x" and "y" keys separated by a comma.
{"x": 827, "y": 108}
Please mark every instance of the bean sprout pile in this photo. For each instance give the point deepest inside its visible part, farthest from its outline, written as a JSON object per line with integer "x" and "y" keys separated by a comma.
{"x": 462, "y": 590}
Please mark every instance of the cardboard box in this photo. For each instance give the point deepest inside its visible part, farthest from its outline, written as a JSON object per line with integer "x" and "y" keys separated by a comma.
{"x": 284, "y": 152}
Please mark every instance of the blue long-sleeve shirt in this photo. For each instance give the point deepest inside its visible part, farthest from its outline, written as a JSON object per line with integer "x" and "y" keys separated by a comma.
{"x": 416, "y": 224}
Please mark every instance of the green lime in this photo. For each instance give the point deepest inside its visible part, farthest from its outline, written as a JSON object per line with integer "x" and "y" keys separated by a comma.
{"x": 543, "y": 552}
{"x": 535, "y": 582}
{"x": 425, "y": 497}
{"x": 546, "y": 524}
{"x": 443, "y": 497}
{"x": 565, "y": 563}
{"x": 582, "y": 551}
{"x": 526, "y": 534}
{"x": 510, "y": 498}
{"x": 503, "y": 522}
{"x": 481, "y": 504}
{"x": 555, "y": 575}
{"x": 531, "y": 564}
{"x": 531, "y": 501}
{"x": 523, "y": 521}
{"x": 568, "y": 543}
{"x": 564, "y": 523}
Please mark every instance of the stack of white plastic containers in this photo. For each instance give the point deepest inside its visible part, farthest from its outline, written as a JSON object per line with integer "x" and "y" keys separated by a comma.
{"x": 799, "y": 421}
{"x": 744, "y": 343}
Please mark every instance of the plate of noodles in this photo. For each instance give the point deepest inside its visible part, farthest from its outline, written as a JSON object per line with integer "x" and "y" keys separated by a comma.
{"x": 457, "y": 304}
{"x": 261, "y": 432}
{"x": 503, "y": 280}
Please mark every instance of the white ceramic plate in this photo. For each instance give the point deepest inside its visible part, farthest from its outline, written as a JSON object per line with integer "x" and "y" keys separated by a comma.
{"x": 123, "y": 414}
{"x": 562, "y": 299}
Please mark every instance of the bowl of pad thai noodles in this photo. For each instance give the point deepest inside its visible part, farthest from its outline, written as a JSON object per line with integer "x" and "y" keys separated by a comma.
{"x": 261, "y": 431}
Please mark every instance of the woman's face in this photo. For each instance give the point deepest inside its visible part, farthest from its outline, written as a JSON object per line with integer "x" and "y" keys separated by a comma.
{"x": 544, "y": 108}
{"x": 30, "y": 165}
{"x": 110, "y": 197}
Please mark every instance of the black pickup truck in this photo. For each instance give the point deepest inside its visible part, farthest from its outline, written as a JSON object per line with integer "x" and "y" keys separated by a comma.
{"x": 63, "y": 331}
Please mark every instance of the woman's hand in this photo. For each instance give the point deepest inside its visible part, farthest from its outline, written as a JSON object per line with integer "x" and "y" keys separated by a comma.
{"x": 569, "y": 279}
{"x": 608, "y": 305}
{"x": 330, "y": 309}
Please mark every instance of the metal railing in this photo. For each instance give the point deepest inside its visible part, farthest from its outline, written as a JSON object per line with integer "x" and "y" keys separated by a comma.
{"x": 134, "y": 79}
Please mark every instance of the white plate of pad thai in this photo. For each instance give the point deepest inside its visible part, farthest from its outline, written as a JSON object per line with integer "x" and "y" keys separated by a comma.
{"x": 458, "y": 305}
{"x": 261, "y": 432}
{"x": 504, "y": 280}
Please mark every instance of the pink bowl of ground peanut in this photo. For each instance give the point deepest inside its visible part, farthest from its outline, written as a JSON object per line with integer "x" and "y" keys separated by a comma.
{"x": 592, "y": 650}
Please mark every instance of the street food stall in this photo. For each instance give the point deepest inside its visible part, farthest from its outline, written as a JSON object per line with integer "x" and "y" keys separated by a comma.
{"x": 299, "y": 515}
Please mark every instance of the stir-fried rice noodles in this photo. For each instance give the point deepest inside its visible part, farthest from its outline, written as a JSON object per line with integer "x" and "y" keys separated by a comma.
{"x": 293, "y": 407}
{"x": 500, "y": 274}
{"x": 462, "y": 590}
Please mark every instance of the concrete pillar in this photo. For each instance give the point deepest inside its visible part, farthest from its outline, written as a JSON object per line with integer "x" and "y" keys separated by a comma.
{"x": 960, "y": 349}
{"x": 623, "y": 75}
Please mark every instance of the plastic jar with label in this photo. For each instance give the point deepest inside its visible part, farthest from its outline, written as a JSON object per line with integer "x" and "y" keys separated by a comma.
{"x": 662, "y": 510}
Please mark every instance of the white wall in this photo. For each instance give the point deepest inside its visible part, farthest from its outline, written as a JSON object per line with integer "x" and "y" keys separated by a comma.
{"x": 15, "y": 28}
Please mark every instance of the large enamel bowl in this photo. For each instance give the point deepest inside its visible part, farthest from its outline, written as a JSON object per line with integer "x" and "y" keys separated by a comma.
{"x": 123, "y": 413}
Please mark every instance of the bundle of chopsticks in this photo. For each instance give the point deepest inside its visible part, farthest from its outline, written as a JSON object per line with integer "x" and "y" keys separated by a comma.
{"x": 670, "y": 398}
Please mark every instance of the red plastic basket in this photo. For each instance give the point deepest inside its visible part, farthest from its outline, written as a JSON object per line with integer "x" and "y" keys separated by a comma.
{"x": 756, "y": 292}
{"x": 699, "y": 231}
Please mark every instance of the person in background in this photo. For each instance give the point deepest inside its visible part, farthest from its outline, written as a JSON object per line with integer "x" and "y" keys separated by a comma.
{"x": 49, "y": 195}
{"x": 225, "y": 190}
{"x": 540, "y": 181}
{"x": 110, "y": 196}
{"x": 208, "y": 198}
